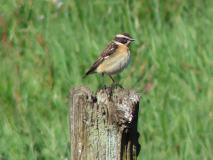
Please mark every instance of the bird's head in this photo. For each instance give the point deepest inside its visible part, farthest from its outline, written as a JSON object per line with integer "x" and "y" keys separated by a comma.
{"x": 123, "y": 38}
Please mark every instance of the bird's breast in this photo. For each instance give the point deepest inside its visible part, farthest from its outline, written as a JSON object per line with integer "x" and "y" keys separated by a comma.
{"x": 114, "y": 63}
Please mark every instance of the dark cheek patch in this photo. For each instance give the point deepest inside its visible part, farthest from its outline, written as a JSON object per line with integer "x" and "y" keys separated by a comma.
{"x": 121, "y": 40}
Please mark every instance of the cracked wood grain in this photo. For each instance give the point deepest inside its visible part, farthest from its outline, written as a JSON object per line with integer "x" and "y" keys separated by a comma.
{"x": 103, "y": 126}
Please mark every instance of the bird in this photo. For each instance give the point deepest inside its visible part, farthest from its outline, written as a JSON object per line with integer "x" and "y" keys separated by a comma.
{"x": 114, "y": 58}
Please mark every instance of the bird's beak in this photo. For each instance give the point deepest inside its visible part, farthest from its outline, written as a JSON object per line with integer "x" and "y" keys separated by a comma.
{"x": 132, "y": 39}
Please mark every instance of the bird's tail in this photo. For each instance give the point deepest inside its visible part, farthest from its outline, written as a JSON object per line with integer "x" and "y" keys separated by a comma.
{"x": 90, "y": 71}
{"x": 93, "y": 68}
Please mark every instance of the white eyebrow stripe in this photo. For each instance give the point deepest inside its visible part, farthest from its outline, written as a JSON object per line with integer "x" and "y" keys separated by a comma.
{"x": 122, "y": 36}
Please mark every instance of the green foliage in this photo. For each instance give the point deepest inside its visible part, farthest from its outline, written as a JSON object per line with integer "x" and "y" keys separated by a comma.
{"x": 45, "y": 49}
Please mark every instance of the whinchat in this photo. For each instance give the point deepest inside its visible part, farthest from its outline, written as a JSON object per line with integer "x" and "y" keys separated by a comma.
{"x": 114, "y": 58}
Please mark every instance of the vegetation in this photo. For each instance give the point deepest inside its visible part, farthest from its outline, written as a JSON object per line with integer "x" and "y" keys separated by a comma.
{"x": 46, "y": 46}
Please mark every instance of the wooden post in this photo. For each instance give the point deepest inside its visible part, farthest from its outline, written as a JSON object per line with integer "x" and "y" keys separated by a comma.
{"x": 104, "y": 126}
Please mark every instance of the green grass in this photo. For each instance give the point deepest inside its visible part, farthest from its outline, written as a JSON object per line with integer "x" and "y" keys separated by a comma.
{"x": 45, "y": 50}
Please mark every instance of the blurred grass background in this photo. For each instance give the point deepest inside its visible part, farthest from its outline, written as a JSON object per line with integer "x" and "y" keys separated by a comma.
{"x": 46, "y": 46}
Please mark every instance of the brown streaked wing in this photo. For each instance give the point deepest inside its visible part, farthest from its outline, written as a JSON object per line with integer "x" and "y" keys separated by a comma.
{"x": 110, "y": 49}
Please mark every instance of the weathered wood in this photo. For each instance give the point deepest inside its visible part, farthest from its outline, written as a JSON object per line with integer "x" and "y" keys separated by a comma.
{"x": 104, "y": 126}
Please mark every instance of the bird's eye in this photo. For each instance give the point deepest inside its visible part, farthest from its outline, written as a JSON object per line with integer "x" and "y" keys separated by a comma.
{"x": 124, "y": 40}
{"x": 121, "y": 40}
